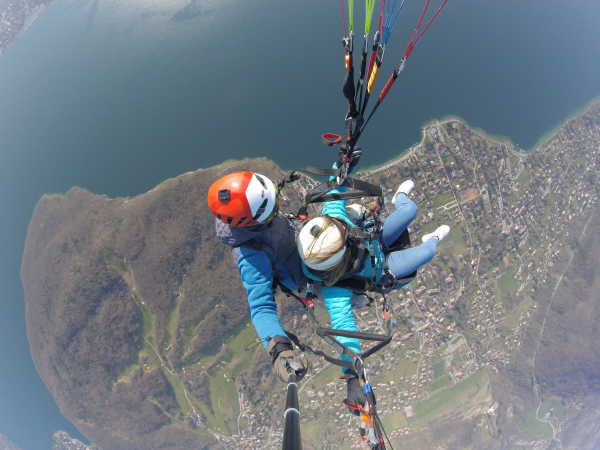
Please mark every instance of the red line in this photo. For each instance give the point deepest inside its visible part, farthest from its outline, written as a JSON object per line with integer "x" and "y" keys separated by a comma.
{"x": 418, "y": 33}
{"x": 435, "y": 14}
{"x": 420, "y": 20}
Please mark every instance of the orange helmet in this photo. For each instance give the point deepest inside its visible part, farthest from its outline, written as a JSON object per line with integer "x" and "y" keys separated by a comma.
{"x": 243, "y": 199}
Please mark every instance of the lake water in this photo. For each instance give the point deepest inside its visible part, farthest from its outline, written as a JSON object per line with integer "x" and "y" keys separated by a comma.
{"x": 116, "y": 96}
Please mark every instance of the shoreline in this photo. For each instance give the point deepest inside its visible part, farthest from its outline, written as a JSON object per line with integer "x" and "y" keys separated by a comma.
{"x": 408, "y": 152}
{"x": 546, "y": 137}
{"x": 499, "y": 139}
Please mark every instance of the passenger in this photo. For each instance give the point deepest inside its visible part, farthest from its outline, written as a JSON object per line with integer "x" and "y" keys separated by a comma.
{"x": 340, "y": 261}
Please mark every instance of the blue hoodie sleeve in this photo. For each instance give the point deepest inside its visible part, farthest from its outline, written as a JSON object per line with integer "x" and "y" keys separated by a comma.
{"x": 256, "y": 273}
{"x": 338, "y": 302}
{"x": 336, "y": 208}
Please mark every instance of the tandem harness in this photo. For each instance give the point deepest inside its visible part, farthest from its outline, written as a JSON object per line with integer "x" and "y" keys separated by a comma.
{"x": 369, "y": 231}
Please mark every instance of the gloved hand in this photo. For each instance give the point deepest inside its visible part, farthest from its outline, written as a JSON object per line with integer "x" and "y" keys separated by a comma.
{"x": 285, "y": 359}
{"x": 354, "y": 395}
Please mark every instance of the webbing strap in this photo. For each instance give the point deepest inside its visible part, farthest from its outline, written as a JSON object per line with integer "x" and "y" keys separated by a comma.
{"x": 328, "y": 358}
{"x": 360, "y": 189}
{"x": 319, "y": 171}
{"x": 368, "y": 189}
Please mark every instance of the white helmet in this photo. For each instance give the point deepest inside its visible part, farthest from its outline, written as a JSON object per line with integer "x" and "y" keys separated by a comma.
{"x": 322, "y": 243}
{"x": 243, "y": 199}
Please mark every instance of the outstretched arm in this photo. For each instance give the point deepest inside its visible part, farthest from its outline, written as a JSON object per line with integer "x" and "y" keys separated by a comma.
{"x": 256, "y": 273}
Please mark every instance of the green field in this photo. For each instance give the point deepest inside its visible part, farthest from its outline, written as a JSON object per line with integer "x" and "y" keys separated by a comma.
{"x": 222, "y": 387}
{"x": 395, "y": 420}
{"x": 458, "y": 399}
{"x": 316, "y": 435}
{"x": 403, "y": 368}
{"x": 443, "y": 198}
{"x": 242, "y": 355}
{"x": 327, "y": 375}
{"x": 112, "y": 259}
{"x": 457, "y": 244}
{"x": 146, "y": 356}
{"x": 439, "y": 368}
{"x": 506, "y": 286}
{"x": 223, "y": 410}
{"x": 439, "y": 383}
{"x": 172, "y": 324}
{"x": 555, "y": 406}
{"x": 511, "y": 321}
{"x": 534, "y": 429}
{"x": 523, "y": 180}
{"x": 224, "y": 401}
{"x": 178, "y": 389}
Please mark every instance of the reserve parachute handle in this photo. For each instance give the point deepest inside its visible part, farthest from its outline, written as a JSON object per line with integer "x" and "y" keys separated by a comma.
{"x": 331, "y": 139}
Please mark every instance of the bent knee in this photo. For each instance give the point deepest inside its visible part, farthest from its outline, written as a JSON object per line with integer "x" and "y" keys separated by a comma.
{"x": 402, "y": 199}
{"x": 428, "y": 249}
{"x": 407, "y": 207}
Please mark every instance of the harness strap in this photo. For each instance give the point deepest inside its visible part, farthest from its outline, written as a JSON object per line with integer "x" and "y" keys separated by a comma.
{"x": 321, "y": 192}
{"x": 319, "y": 171}
{"x": 318, "y": 194}
{"x": 289, "y": 178}
{"x": 322, "y": 354}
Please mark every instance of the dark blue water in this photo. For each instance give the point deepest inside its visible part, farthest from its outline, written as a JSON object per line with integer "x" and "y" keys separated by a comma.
{"x": 116, "y": 99}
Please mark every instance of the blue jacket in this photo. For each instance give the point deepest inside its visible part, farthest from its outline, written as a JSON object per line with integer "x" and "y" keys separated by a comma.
{"x": 262, "y": 255}
{"x": 256, "y": 271}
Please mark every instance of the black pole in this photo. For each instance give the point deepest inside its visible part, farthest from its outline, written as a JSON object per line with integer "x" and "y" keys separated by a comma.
{"x": 291, "y": 416}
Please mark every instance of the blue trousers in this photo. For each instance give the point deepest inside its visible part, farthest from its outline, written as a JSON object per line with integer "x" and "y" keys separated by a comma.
{"x": 402, "y": 263}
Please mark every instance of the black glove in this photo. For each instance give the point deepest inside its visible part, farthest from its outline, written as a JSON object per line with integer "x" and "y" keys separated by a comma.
{"x": 354, "y": 395}
{"x": 285, "y": 359}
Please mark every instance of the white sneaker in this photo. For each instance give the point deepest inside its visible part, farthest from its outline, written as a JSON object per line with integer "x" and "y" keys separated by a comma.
{"x": 440, "y": 233}
{"x": 405, "y": 187}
